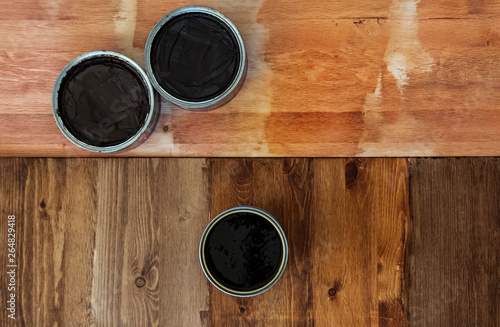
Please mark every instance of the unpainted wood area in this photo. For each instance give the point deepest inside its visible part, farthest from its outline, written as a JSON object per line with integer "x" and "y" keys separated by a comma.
{"x": 326, "y": 78}
{"x": 373, "y": 242}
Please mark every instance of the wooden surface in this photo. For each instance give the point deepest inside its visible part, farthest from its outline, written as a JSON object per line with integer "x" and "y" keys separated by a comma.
{"x": 326, "y": 78}
{"x": 373, "y": 242}
{"x": 452, "y": 266}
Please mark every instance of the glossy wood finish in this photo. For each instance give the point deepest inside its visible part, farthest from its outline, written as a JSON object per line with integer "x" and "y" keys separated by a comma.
{"x": 373, "y": 242}
{"x": 326, "y": 78}
{"x": 345, "y": 235}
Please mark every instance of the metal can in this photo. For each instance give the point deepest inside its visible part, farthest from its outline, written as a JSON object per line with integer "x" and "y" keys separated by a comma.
{"x": 243, "y": 251}
{"x": 115, "y": 109}
{"x": 195, "y": 58}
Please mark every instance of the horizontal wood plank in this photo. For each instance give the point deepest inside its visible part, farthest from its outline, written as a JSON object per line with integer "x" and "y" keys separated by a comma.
{"x": 362, "y": 78}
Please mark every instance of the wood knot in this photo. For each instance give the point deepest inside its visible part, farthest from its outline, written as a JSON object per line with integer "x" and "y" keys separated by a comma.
{"x": 242, "y": 309}
{"x": 140, "y": 282}
{"x": 288, "y": 164}
{"x": 42, "y": 204}
{"x": 165, "y": 128}
{"x": 337, "y": 286}
{"x": 351, "y": 173}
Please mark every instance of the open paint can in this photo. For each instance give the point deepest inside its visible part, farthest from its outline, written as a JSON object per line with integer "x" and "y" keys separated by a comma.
{"x": 103, "y": 102}
{"x": 195, "y": 58}
{"x": 243, "y": 251}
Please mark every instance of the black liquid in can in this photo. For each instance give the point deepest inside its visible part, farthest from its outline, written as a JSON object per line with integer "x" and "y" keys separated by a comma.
{"x": 244, "y": 252}
{"x": 195, "y": 58}
{"x": 103, "y": 102}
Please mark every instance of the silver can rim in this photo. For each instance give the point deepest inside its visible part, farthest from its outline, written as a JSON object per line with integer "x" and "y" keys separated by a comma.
{"x": 222, "y": 98}
{"x": 275, "y": 223}
{"x": 130, "y": 63}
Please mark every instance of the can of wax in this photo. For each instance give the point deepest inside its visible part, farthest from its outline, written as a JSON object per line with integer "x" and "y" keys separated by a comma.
{"x": 104, "y": 102}
{"x": 195, "y": 58}
{"x": 243, "y": 251}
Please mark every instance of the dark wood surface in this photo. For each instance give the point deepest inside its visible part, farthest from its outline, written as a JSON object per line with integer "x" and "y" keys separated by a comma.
{"x": 452, "y": 271}
{"x": 373, "y": 242}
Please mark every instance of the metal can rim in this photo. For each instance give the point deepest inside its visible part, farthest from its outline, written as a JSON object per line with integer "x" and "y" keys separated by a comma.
{"x": 283, "y": 263}
{"x": 222, "y": 98}
{"x": 151, "y": 116}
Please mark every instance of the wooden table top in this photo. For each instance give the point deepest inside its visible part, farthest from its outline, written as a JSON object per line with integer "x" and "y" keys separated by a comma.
{"x": 325, "y": 78}
{"x": 373, "y": 242}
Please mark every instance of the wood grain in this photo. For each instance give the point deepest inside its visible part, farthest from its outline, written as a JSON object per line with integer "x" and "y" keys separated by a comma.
{"x": 452, "y": 268}
{"x": 127, "y": 246}
{"x": 181, "y": 203}
{"x": 359, "y": 241}
{"x": 106, "y": 242}
{"x": 346, "y": 233}
{"x": 326, "y": 78}
{"x": 373, "y": 242}
{"x": 54, "y": 202}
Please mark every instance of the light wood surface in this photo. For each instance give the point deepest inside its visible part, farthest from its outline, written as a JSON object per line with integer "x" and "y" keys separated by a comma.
{"x": 325, "y": 78}
{"x": 373, "y": 242}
